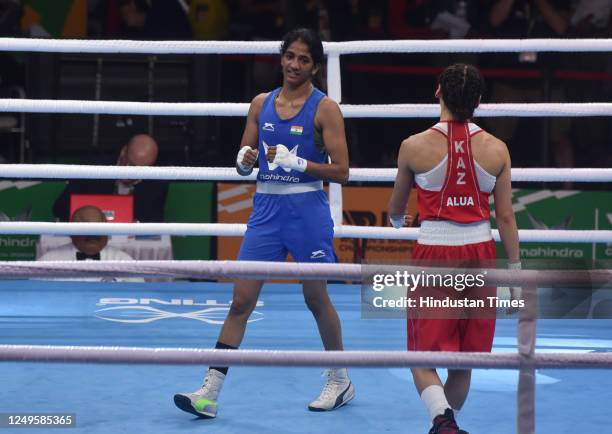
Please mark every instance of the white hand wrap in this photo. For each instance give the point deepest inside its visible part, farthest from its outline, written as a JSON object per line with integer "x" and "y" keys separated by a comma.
{"x": 397, "y": 221}
{"x": 240, "y": 157}
{"x": 287, "y": 160}
{"x": 515, "y": 291}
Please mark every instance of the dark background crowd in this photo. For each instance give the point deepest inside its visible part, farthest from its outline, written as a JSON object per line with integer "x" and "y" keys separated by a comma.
{"x": 366, "y": 79}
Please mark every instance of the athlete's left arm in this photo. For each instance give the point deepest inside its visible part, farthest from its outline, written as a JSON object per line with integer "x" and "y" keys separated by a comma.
{"x": 331, "y": 124}
{"x": 403, "y": 184}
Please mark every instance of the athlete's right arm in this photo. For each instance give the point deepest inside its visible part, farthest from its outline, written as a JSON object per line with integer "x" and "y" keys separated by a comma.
{"x": 247, "y": 155}
{"x": 506, "y": 222}
{"x": 504, "y": 214}
{"x": 403, "y": 184}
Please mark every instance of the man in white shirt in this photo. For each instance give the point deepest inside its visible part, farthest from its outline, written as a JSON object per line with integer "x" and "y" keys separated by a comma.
{"x": 89, "y": 247}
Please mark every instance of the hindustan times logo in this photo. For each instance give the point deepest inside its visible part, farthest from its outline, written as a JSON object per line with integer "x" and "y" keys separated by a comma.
{"x": 144, "y": 310}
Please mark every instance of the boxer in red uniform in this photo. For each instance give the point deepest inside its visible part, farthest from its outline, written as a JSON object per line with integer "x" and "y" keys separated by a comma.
{"x": 456, "y": 166}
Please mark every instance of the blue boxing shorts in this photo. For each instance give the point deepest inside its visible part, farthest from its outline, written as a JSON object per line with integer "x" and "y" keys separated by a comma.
{"x": 298, "y": 223}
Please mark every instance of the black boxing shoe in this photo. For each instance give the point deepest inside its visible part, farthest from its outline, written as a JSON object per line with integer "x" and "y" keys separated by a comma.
{"x": 445, "y": 424}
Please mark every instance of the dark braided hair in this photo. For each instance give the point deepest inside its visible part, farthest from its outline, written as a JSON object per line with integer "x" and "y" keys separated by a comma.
{"x": 461, "y": 86}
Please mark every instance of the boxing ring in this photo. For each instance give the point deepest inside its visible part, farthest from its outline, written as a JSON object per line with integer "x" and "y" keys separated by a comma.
{"x": 101, "y": 350}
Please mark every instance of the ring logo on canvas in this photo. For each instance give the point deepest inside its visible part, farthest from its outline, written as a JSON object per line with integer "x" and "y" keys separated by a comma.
{"x": 143, "y": 310}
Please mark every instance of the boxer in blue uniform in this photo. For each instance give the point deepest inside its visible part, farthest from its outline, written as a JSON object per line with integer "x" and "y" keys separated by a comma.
{"x": 290, "y": 209}
{"x": 296, "y": 135}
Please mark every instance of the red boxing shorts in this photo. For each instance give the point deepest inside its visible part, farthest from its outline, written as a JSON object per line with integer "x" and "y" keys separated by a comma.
{"x": 452, "y": 334}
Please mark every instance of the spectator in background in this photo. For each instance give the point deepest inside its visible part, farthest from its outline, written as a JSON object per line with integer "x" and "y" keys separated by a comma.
{"x": 437, "y": 19}
{"x": 12, "y": 76}
{"x": 312, "y": 14}
{"x": 591, "y": 18}
{"x": 11, "y": 66}
{"x": 10, "y": 13}
{"x": 520, "y": 19}
{"x": 370, "y": 20}
{"x": 530, "y": 18}
{"x": 209, "y": 19}
{"x": 149, "y": 196}
{"x": 428, "y": 19}
{"x": 149, "y": 19}
{"x": 126, "y": 18}
{"x": 168, "y": 20}
{"x": 89, "y": 247}
{"x": 340, "y": 15}
{"x": 258, "y": 19}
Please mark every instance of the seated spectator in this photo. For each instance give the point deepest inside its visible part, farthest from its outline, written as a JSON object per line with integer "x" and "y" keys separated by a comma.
{"x": 591, "y": 18}
{"x": 149, "y": 19}
{"x": 89, "y": 247}
{"x": 149, "y": 196}
{"x": 168, "y": 20}
{"x": 428, "y": 19}
{"x": 341, "y": 19}
{"x": 209, "y": 19}
{"x": 258, "y": 19}
{"x": 371, "y": 21}
{"x": 524, "y": 19}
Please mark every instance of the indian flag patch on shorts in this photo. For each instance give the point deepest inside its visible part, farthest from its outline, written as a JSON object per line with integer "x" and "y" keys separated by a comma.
{"x": 296, "y": 130}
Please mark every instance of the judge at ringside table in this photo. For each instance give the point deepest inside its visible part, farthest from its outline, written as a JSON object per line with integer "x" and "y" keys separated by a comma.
{"x": 89, "y": 247}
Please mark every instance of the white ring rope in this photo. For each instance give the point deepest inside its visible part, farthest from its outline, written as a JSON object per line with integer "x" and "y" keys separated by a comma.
{"x": 67, "y": 171}
{"x": 363, "y": 359}
{"x": 288, "y": 270}
{"x": 348, "y": 110}
{"x": 238, "y": 230}
{"x": 124, "y": 107}
{"x": 542, "y": 174}
{"x": 470, "y": 46}
{"x": 525, "y": 235}
{"x": 183, "y": 173}
{"x": 336, "y": 48}
{"x": 192, "y": 229}
{"x": 194, "y": 269}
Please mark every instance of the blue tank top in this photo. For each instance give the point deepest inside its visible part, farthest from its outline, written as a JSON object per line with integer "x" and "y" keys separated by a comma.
{"x": 296, "y": 133}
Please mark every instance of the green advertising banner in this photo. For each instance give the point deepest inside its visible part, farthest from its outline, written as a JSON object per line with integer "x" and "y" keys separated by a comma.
{"x": 189, "y": 202}
{"x": 25, "y": 201}
{"x": 562, "y": 209}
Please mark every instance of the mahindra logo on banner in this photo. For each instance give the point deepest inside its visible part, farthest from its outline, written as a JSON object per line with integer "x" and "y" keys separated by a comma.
{"x": 142, "y": 311}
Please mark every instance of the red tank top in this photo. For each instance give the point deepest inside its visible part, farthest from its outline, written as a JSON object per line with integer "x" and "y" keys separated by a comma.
{"x": 460, "y": 199}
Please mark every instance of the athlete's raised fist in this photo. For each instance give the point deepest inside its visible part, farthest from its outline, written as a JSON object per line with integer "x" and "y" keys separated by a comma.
{"x": 246, "y": 159}
{"x": 288, "y": 160}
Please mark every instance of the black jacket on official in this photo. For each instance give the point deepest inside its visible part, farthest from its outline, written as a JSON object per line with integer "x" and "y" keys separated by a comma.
{"x": 149, "y": 196}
